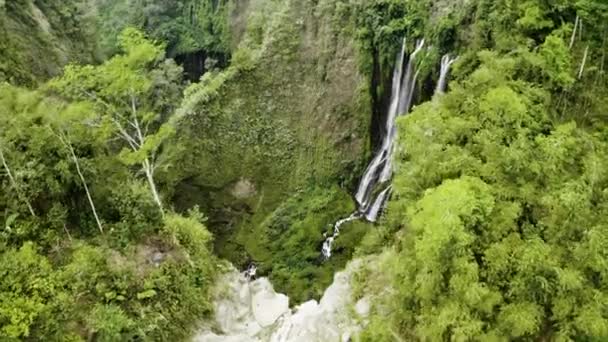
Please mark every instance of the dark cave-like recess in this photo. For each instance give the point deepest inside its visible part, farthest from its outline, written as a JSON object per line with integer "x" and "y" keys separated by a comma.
{"x": 197, "y": 63}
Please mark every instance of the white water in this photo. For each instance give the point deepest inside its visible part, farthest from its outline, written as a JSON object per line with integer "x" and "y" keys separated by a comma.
{"x": 404, "y": 103}
{"x": 330, "y": 240}
{"x": 374, "y": 211}
{"x": 368, "y": 179}
{"x": 401, "y": 99}
{"x": 446, "y": 63}
{"x": 407, "y": 89}
{"x": 380, "y": 169}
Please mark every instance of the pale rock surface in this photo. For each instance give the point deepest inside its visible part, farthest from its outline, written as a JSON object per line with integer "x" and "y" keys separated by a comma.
{"x": 254, "y": 312}
{"x": 363, "y": 307}
{"x": 243, "y": 189}
{"x": 267, "y": 305}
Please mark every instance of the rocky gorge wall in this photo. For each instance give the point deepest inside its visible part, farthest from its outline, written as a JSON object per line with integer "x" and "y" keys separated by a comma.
{"x": 288, "y": 122}
{"x": 40, "y": 37}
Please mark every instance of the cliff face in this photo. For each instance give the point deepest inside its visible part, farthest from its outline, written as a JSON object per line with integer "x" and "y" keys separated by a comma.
{"x": 290, "y": 119}
{"x": 39, "y": 37}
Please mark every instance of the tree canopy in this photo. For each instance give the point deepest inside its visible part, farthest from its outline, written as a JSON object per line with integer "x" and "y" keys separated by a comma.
{"x": 116, "y": 164}
{"x": 88, "y": 249}
{"x": 500, "y": 192}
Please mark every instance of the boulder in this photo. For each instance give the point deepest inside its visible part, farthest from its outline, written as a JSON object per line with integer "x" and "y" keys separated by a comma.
{"x": 267, "y": 305}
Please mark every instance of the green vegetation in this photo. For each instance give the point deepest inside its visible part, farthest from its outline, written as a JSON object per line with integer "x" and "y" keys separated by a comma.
{"x": 500, "y": 193}
{"x": 125, "y": 179}
{"x": 40, "y": 37}
{"x": 185, "y": 25}
{"x": 287, "y": 120}
{"x": 87, "y": 250}
{"x": 298, "y": 225}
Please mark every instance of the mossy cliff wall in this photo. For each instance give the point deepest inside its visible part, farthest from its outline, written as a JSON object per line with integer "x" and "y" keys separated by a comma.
{"x": 38, "y": 37}
{"x": 272, "y": 146}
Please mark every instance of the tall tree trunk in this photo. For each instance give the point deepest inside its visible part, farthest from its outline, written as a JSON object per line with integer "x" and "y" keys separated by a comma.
{"x": 573, "y": 37}
{"x": 149, "y": 171}
{"x": 580, "y": 72}
{"x": 147, "y": 164}
{"x": 15, "y": 185}
{"x": 67, "y": 143}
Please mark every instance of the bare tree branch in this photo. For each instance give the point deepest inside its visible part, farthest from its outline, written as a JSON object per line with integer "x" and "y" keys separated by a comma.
{"x": 125, "y": 135}
{"x": 66, "y": 142}
{"x": 148, "y": 165}
{"x": 65, "y": 229}
{"x": 574, "y": 33}
{"x": 582, "y": 69}
{"x": 15, "y": 185}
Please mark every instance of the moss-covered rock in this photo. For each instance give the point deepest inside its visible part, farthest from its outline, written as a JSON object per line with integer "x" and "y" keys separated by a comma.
{"x": 40, "y": 37}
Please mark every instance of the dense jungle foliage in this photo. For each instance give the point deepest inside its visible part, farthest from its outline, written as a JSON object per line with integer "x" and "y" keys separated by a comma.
{"x": 500, "y": 190}
{"x": 87, "y": 251}
{"x": 144, "y": 143}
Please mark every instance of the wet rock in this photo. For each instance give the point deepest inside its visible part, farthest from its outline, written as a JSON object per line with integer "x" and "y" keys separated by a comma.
{"x": 157, "y": 258}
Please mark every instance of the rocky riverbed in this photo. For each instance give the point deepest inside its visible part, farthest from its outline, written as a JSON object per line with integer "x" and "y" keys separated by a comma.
{"x": 251, "y": 311}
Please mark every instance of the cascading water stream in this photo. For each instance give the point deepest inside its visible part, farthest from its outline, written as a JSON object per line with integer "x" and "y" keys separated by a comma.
{"x": 401, "y": 99}
{"x": 379, "y": 170}
{"x": 404, "y": 103}
{"x": 326, "y": 250}
{"x": 368, "y": 180}
{"x": 446, "y": 63}
{"x": 374, "y": 211}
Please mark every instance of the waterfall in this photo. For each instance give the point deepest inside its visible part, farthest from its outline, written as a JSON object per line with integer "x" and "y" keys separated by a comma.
{"x": 404, "y": 101}
{"x": 368, "y": 180}
{"x": 379, "y": 171}
{"x": 374, "y": 210}
{"x": 407, "y": 90}
{"x": 446, "y": 63}
{"x": 329, "y": 241}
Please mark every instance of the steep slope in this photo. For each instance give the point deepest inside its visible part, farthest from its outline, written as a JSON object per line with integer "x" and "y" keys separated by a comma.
{"x": 272, "y": 144}
{"x": 40, "y": 37}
